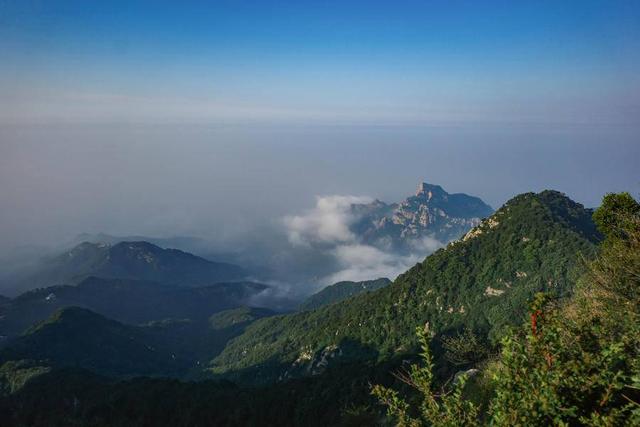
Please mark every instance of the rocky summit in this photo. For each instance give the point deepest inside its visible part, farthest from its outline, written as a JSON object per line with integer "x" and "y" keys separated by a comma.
{"x": 431, "y": 213}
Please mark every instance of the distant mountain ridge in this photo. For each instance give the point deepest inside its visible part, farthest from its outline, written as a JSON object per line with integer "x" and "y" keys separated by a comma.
{"x": 76, "y": 337}
{"x": 133, "y": 260}
{"x": 341, "y": 291}
{"x": 125, "y": 300}
{"x": 178, "y": 242}
{"x": 195, "y": 245}
{"x": 430, "y": 213}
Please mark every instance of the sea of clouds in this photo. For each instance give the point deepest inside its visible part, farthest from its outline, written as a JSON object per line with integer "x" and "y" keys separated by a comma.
{"x": 327, "y": 228}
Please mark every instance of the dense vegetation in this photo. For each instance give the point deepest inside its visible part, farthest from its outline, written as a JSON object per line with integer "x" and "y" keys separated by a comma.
{"x": 125, "y": 300}
{"x": 483, "y": 282}
{"x": 576, "y": 362}
{"x": 341, "y": 291}
{"x": 74, "y": 337}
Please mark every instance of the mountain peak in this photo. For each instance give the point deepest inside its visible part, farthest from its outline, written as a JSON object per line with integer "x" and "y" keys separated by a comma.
{"x": 431, "y": 212}
{"x": 429, "y": 190}
{"x": 138, "y": 245}
{"x": 133, "y": 260}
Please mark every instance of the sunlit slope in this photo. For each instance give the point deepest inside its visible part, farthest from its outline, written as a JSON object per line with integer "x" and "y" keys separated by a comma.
{"x": 484, "y": 281}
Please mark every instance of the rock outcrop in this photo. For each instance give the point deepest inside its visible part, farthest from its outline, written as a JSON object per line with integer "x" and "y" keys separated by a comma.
{"x": 430, "y": 213}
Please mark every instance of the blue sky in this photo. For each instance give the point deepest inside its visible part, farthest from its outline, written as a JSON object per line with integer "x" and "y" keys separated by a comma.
{"x": 413, "y": 62}
{"x": 184, "y": 117}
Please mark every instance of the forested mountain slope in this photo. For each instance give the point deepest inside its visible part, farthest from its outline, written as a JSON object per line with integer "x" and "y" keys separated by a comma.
{"x": 574, "y": 362}
{"x": 125, "y": 300}
{"x": 483, "y": 281}
{"x": 341, "y": 291}
{"x": 76, "y": 337}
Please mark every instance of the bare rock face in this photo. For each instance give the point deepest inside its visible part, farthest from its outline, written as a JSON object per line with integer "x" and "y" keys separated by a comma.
{"x": 430, "y": 213}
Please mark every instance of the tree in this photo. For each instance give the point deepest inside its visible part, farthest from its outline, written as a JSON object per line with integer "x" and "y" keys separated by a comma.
{"x": 616, "y": 208}
{"x": 466, "y": 348}
{"x": 443, "y": 408}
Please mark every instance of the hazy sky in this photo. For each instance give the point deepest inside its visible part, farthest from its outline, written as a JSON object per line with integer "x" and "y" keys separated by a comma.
{"x": 204, "y": 117}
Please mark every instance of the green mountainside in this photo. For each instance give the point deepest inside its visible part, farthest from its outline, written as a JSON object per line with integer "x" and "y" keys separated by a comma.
{"x": 237, "y": 317}
{"x": 574, "y": 362}
{"x": 125, "y": 300}
{"x": 75, "y": 337}
{"x": 79, "y": 338}
{"x": 341, "y": 291}
{"x": 483, "y": 281}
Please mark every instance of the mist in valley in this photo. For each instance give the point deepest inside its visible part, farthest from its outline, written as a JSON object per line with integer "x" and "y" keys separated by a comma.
{"x": 276, "y": 199}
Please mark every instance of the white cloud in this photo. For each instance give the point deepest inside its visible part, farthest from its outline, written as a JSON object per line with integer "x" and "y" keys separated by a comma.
{"x": 365, "y": 262}
{"x": 426, "y": 245}
{"x": 327, "y": 223}
{"x": 326, "y": 230}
